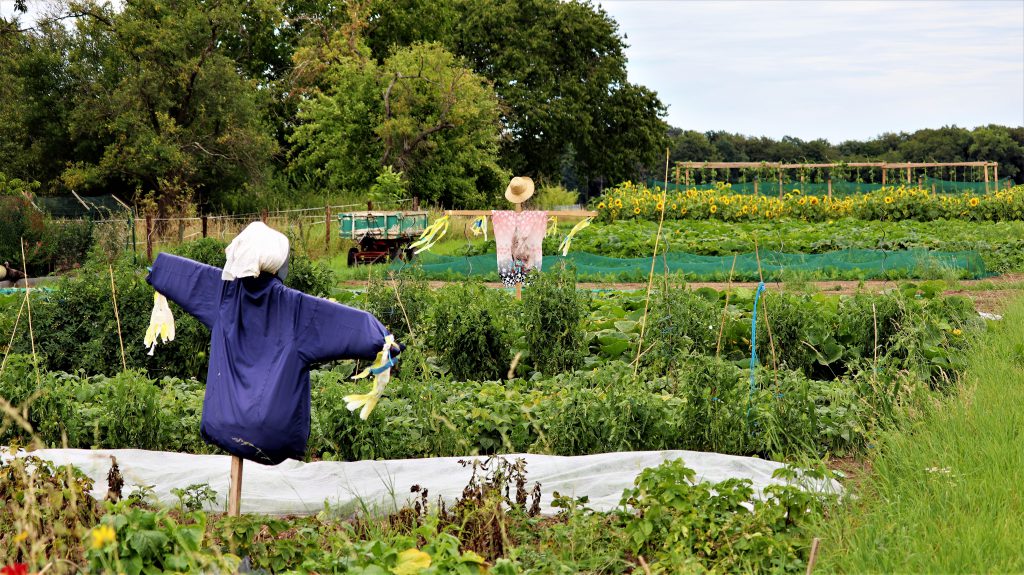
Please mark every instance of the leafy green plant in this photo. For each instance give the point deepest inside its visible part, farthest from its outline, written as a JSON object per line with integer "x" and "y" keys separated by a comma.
{"x": 552, "y": 312}
{"x": 472, "y": 331}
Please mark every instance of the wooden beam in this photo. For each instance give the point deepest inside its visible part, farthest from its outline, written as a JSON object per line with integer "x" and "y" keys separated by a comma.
{"x": 699, "y": 165}
{"x": 557, "y": 213}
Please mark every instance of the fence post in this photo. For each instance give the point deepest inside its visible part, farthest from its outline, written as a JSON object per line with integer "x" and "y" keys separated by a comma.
{"x": 369, "y": 206}
{"x": 149, "y": 238}
{"x": 327, "y": 230}
{"x": 416, "y": 203}
{"x": 830, "y": 186}
{"x": 204, "y": 226}
{"x": 263, "y": 215}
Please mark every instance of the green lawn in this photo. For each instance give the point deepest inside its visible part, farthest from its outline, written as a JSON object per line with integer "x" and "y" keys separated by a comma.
{"x": 947, "y": 494}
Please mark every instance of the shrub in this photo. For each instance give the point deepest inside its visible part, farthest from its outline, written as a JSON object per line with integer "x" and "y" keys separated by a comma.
{"x": 472, "y": 331}
{"x": 399, "y": 301}
{"x": 309, "y": 277}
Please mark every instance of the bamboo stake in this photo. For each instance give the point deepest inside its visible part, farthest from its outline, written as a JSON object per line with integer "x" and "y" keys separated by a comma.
{"x": 814, "y": 555}
{"x": 767, "y": 324}
{"x": 721, "y": 329}
{"x": 117, "y": 316}
{"x": 28, "y": 303}
{"x": 650, "y": 276}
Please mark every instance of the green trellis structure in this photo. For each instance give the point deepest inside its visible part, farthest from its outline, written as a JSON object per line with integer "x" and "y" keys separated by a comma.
{"x": 768, "y": 177}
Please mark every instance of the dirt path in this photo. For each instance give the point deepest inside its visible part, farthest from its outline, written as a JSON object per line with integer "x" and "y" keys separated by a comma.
{"x": 989, "y": 294}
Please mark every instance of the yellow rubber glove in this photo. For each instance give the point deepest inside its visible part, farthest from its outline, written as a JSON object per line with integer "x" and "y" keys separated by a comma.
{"x": 161, "y": 323}
{"x": 381, "y": 370}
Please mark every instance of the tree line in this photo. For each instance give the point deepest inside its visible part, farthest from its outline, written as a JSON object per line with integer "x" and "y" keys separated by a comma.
{"x": 225, "y": 104}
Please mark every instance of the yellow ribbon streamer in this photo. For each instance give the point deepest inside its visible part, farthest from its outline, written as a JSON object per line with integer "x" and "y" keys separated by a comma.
{"x": 431, "y": 235}
{"x": 568, "y": 239}
{"x": 381, "y": 370}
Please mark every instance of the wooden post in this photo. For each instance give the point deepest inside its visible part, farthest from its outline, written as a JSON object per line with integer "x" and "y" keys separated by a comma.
{"x": 995, "y": 172}
{"x": 830, "y": 186}
{"x": 416, "y": 203}
{"x": 235, "y": 488}
{"x": 263, "y": 215}
{"x": 883, "y": 175}
{"x": 755, "y": 187}
{"x": 519, "y": 286}
{"x": 181, "y": 231}
{"x": 933, "y": 189}
{"x": 149, "y": 238}
{"x": 985, "y": 168}
{"x": 369, "y": 206}
{"x": 327, "y": 230}
{"x": 204, "y": 226}
{"x": 687, "y": 176}
{"x": 920, "y": 182}
{"x": 909, "y": 177}
{"x": 814, "y": 556}
{"x": 780, "y": 183}
{"x": 677, "y": 176}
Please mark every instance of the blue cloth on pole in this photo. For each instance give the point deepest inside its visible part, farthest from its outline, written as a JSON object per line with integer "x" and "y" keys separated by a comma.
{"x": 264, "y": 337}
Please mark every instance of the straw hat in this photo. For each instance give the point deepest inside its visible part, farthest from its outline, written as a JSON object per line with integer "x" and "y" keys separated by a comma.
{"x": 519, "y": 189}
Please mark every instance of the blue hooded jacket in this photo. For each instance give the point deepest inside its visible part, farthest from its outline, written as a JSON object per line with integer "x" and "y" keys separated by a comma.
{"x": 264, "y": 337}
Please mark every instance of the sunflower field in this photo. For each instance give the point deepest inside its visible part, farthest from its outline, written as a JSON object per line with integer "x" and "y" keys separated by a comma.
{"x": 636, "y": 201}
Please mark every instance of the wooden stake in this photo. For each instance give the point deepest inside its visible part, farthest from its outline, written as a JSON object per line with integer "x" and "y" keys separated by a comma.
{"x": 883, "y": 176}
{"x": 235, "y": 488}
{"x": 814, "y": 555}
{"x": 117, "y": 316}
{"x": 204, "y": 226}
{"x": 149, "y": 238}
{"x": 327, "y": 230}
{"x": 519, "y": 285}
{"x": 986, "y": 178}
{"x": 830, "y": 187}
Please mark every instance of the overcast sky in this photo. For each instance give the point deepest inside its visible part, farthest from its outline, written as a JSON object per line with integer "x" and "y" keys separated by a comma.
{"x": 836, "y": 70}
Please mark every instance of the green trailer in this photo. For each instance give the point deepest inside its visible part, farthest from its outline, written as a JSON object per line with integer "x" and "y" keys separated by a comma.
{"x": 381, "y": 236}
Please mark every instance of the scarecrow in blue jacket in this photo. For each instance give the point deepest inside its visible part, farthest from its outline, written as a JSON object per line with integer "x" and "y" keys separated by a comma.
{"x": 263, "y": 338}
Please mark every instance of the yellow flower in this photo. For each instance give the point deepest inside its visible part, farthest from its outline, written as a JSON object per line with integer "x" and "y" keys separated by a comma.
{"x": 618, "y": 203}
{"x": 888, "y": 199}
{"x": 714, "y": 208}
{"x": 801, "y": 201}
{"x": 974, "y": 202}
{"x": 636, "y": 210}
{"x": 674, "y": 206}
{"x": 102, "y": 535}
{"x": 411, "y": 561}
{"x": 813, "y": 200}
{"x": 661, "y": 206}
{"x": 957, "y": 331}
{"x": 600, "y": 206}
{"x": 21, "y": 537}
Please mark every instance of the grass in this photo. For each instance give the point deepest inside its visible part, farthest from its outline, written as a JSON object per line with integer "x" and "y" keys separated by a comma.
{"x": 945, "y": 495}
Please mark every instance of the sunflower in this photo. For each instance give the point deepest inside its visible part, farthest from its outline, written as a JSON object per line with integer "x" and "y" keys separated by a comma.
{"x": 801, "y": 201}
{"x": 636, "y": 210}
{"x": 618, "y": 203}
{"x": 974, "y": 202}
{"x": 812, "y": 200}
{"x": 888, "y": 199}
{"x": 661, "y": 206}
{"x": 714, "y": 208}
{"x": 600, "y": 206}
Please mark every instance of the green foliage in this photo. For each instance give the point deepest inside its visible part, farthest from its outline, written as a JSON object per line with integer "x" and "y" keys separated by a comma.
{"x": 551, "y": 197}
{"x": 401, "y": 302}
{"x": 419, "y": 112}
{"x": 683, "y": 525}
{"x": 388, "y": 188}
{"x": 472, "y": 331}
{"x": 309, "y": 276}
{"x": 209, "y": 251}
{"x": 81, "y": 329}
{"x": 194, "y": 497}
{"x": 49, "y": 245}
{"x": 552, "y": 312}
{"x": 153, "y": 542}
{"x": 45, "y": 511}
{"x": 681, "y": 322}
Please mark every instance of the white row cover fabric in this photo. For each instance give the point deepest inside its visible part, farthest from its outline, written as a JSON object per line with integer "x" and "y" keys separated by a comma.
{"x": 294, "y": 487}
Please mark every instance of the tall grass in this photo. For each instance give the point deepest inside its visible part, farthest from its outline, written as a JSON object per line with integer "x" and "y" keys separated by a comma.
{"x": 945, "y": 495}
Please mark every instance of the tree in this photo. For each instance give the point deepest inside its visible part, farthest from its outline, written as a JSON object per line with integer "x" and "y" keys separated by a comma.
{"x": 169, "y": 111}
{"x": 419, "y": 112}
{"x": 559, "y": 70}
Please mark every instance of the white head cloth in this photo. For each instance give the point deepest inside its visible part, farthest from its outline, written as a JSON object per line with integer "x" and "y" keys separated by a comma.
{"x": 259, "y": 248}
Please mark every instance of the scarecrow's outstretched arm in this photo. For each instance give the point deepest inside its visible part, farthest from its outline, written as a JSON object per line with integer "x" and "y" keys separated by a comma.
{"x": 329, "y": 331}
{"x": 196, "y": 287}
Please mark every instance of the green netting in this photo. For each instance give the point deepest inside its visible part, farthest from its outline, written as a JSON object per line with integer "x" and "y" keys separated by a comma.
{"x": 96, "y": 207}
{"x": 846, "y": 264}
{"x": 840, "y": 188}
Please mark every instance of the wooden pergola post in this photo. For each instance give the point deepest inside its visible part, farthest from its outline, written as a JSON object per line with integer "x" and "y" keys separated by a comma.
{"x": 830, "y": 186}
{"x": 995, "y": 171}
{"x": 780, "y": 181}
{"x": 883, "y": 175}
{"x": 235, "y": 487}
{"x": 985, "y": 169}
